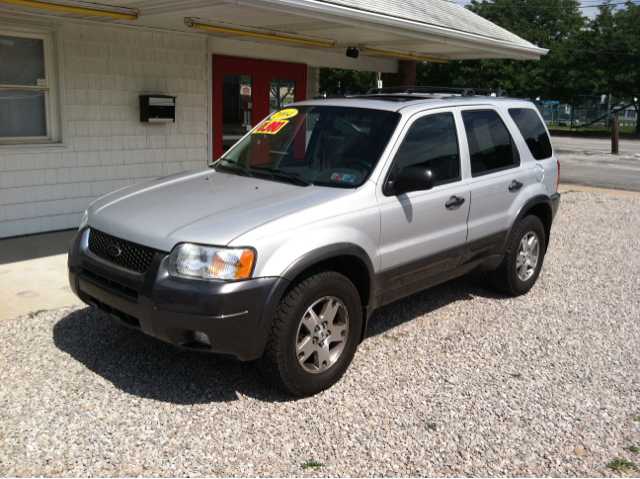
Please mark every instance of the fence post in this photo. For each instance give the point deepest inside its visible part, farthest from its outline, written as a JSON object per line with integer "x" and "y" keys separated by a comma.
{"x": 614, "y": 134}
{"x": 571, "y": 121}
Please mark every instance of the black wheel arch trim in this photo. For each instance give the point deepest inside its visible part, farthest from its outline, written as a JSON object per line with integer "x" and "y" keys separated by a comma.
{"x": 337, "y": 250}
{"x": 522, "y": 212}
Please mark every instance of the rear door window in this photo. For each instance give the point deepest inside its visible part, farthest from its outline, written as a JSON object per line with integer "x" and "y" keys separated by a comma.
{"x": 533, "y": 131}
{"x": 491, "y": 147}
{"x": 432, "y": 143}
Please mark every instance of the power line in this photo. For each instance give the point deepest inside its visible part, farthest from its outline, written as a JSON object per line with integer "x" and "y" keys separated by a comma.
{"x": 549, "y": 8}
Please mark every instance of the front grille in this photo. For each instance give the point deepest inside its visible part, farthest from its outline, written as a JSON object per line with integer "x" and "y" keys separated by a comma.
{"x": 133, "y": 256}
{"x": 109, "y": 284}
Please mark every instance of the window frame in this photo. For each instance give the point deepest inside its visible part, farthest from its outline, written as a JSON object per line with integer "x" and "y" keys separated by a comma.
{"x": 50, "y": 90}
{"x": 514, "y": 145}
{"x": 405, "y": 131}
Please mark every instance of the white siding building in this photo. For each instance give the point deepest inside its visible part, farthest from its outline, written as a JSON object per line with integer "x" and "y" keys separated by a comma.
{"x": 70, "y": 128}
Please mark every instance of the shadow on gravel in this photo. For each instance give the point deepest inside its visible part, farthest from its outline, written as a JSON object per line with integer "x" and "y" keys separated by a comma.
{"x": 145, "y": 367}
{"x": 142, "y": 366}
{"x": 464, "y": 288}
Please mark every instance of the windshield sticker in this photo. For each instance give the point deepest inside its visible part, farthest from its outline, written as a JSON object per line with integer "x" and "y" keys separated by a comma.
{"x": 270, "y": 127}
{"x": 343, "y": 177}
{"x": 284, "y": 114}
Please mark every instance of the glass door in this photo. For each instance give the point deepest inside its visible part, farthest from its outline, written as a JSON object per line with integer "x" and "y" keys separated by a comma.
{"x": 237, "y": 108}
{"x": 245, "y": 91}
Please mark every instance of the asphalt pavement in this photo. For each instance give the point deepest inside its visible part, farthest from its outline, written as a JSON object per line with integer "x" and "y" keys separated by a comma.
{"x": 589, "y": 162}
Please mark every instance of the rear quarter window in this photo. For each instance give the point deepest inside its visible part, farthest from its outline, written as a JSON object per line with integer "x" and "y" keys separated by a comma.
{"x": 533, "y": 131}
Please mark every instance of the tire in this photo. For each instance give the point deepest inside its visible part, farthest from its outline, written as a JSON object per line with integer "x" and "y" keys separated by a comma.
{"x": 320, "y": 319}
{"x": 519, "y": 270}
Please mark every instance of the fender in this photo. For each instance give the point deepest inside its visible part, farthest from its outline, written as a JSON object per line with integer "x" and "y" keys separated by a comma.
{"x": 326, "y": 253}
{"x": 536, "y": 200}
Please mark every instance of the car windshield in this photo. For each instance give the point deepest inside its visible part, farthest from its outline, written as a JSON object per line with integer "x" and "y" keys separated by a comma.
{"x": 320, "y": 145}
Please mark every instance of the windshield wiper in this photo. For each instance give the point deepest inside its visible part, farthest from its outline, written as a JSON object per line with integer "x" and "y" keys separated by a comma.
{"x": 244, "y": 169}
{"x": 288, "y": 173}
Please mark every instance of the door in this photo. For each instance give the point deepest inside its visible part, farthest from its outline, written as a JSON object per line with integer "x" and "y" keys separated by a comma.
{"x": 499, "y": 184}
{"x": 245, "y": 91}
{"x": 424, "y": 233}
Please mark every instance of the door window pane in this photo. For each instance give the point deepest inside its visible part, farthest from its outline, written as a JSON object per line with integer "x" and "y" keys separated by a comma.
{"x": 281, "y": 93}
{"x": 21, "y": 61}
{"x": 237, "y": 108}
{"x": 490, "y": 145}
{"x": 533, "y": 131}
{"x": 432, "y": 143}
{"x": 22, "y": 113}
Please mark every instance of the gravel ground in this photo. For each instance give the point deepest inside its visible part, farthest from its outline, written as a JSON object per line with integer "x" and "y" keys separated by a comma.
{"x": 455, "y": 381}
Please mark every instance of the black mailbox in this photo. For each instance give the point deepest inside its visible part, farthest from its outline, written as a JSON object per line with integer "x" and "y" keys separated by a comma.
{"x": 157, "y": 109}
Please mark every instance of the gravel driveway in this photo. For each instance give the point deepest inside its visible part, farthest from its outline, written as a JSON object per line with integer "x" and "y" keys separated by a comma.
{"x": 455, "y": 381}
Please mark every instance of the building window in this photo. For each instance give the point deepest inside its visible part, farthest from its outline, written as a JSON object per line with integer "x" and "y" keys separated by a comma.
{"x": 28, "y": 96}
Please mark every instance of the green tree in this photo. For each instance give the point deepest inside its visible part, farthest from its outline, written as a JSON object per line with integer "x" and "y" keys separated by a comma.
{"x": 609, "y": 53}
{"x": 549, "y": 24}
{"x": 335, "y": 81}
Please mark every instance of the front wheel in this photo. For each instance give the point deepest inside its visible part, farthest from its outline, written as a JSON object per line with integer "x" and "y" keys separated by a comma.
{"x": 315, "y": 334}
{"x": 523, "y": 260}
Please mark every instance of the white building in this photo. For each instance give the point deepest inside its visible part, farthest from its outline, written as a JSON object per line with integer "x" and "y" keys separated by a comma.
{"x": 71, "y": 74}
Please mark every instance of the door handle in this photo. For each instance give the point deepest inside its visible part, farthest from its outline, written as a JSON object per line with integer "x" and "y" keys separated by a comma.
{"x": 515, "y": 185}
{"x": 454, "y": 202}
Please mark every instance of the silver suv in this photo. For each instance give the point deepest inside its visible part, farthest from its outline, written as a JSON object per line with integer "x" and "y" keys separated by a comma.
{"x": 325, "y": 211}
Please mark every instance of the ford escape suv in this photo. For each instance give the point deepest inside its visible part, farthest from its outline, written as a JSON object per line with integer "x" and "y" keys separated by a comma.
{"x": 328, "y": 209}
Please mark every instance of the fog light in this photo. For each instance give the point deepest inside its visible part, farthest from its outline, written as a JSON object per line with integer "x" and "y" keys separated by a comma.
{"x": 201, "y": 337}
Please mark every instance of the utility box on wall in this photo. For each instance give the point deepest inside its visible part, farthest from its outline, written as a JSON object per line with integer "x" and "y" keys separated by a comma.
{"x": 157, "y": 109}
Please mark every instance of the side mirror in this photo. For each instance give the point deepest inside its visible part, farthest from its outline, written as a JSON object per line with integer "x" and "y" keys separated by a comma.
{"x": 413, "y": 178}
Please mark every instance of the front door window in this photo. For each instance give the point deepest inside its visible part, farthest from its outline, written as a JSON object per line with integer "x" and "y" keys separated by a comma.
{"x": 237, "y": 108}
{"x": 282, "y": 92}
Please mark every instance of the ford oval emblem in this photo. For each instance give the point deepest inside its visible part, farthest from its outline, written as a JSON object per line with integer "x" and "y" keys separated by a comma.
{"x": 114, "y": 250}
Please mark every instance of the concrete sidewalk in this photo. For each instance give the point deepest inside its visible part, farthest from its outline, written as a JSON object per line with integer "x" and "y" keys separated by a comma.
{"x": 33, "y": 269}
{"x": 33, "y": 273}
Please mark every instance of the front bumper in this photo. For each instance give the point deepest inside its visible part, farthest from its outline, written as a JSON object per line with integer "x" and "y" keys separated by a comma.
{"x": 236, "y": 317}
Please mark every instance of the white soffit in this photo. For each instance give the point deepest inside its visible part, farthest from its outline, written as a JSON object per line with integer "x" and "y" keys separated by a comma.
{"x": 435, "y": 28}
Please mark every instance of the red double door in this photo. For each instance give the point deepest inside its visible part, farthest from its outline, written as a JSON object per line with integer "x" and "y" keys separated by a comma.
{"x": 245, "y": 91}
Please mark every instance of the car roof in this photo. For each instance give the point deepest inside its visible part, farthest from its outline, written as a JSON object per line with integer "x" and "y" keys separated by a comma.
{"x": 408, "y": 102}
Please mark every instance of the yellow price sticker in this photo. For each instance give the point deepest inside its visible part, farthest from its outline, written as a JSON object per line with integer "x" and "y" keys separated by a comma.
{"x": 284, "y": 114}
{"x": 270, "y": 127}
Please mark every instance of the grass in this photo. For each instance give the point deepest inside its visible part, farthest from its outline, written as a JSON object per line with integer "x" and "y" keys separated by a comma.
{"x": 312, "y": 465}
{"x": 621, "y": 465}
{"x": 33, "y": 314}
{"x": 632, "y": 448}
{"x": 432, "y": 426}
{"x": 591, "y": 132}
{"x": 516, "y": 375}
{"x": 635, "y": 417}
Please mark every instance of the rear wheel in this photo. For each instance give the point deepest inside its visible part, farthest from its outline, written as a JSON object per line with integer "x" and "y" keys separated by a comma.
{"x": 522, "y": 262}
{"x": 315, "y": 334}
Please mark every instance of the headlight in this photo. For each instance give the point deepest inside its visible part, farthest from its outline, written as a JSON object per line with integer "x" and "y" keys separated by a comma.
{"x": 84, "y": 220}
{"x": 204, "y": 262}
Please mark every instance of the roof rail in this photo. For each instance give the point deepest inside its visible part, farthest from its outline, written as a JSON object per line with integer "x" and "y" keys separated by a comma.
{"x": 439, "y": 89}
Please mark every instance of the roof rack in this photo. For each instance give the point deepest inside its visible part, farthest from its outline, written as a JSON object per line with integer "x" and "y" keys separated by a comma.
{"x": 439, "y": 90}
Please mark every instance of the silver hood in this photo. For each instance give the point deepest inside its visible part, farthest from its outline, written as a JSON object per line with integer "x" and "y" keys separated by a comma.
{"x": 205, "y": 207}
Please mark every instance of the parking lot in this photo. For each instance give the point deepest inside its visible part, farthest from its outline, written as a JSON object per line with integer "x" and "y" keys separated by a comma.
{"x": 453, "y": 381}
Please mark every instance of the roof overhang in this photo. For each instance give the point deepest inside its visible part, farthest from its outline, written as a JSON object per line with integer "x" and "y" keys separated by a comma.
{"x": 437, "y": 29}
